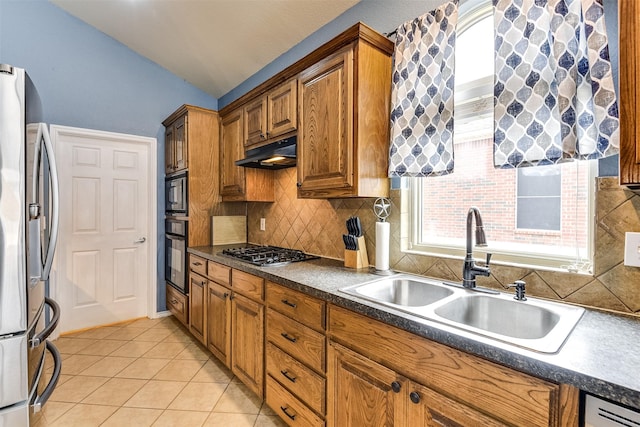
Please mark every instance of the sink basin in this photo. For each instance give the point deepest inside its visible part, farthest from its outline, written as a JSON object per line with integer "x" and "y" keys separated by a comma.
{"x": 535, "y": 324}
{"x": 402, "y": 291}
{"x": 500, "y": 316}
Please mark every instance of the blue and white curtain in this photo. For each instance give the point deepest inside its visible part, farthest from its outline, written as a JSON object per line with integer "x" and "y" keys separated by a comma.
{"x": 422, "y": 95}
{"x": 554, "y": 93}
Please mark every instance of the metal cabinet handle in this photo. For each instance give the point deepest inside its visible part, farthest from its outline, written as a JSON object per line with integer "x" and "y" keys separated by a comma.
{"x": 225, "y": 295}
{"x": 395, "y": 386}
{"x": 290, "y": 304}
{"x": 289, "y": 338}
{"x": 197, "y": 263}
{"x": 287, "y": 376}
{"x": 414, "y": 396}
{"x": 286, "y": 412}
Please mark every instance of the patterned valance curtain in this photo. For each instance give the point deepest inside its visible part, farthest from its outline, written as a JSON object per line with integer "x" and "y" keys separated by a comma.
{"x": 554, "y": 93}
{"x": 422, "y": 95}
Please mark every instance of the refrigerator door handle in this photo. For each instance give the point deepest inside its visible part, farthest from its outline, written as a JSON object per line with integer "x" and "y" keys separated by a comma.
{"x": 55, "y": 201}
{"x": 38, "y": 339}
{"x": 41, "y": 400}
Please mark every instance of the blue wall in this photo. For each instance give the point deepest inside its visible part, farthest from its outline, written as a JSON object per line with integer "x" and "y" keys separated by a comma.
{"x": 87, "y": 79}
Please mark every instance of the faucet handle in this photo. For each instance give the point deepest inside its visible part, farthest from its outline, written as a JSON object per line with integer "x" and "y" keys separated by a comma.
{"x": 488, "y": 259}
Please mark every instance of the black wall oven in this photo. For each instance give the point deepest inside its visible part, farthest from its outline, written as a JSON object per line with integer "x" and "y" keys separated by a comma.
{"x": 175, "y": 195}
{"x": 176, "y": 253}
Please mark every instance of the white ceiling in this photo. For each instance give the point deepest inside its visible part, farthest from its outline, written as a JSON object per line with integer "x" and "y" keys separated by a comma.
{"x": 213, "y": 44}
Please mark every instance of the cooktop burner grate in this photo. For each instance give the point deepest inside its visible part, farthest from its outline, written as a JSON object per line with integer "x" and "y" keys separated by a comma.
{"x": 264, "y": 256}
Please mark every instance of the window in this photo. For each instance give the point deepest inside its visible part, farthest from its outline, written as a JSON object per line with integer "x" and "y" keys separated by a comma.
{"x": 539, "y": 216}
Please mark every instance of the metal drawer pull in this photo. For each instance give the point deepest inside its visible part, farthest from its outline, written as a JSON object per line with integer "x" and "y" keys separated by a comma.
{"x": 197, "y": 263}
{"x": 287, "y": 376}
{"x": 287, "y": 337}
{"x": 286, "y": 412}
{"x": 414, "y": 396}
{"x": 290, "y": 304}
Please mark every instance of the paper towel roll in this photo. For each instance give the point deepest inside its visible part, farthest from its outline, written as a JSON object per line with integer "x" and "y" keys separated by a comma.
{"x": 382, "y": 245}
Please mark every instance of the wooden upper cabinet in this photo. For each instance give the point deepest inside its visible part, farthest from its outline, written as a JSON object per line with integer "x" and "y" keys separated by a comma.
{"x": 255, "y": 122}
{"x": 629, "y": 30}
{"x": 282, "y": 109}
{"x": 238, "y": 184}
{"x": 271, "y": 115}
{"x": 325, "y": 147}
{"x": 232, "y": 183}
{"x": 343, "y": 109}
{"x": 191, "y": 144}
{"x": 176, "y": 146}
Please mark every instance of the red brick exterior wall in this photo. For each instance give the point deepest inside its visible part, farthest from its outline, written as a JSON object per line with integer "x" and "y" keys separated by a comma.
{"x": 475, "y": 182}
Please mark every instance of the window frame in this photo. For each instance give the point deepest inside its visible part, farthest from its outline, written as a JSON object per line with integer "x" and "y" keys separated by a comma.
{"x": 411, "y": 223}
{"x": 500, "y": 255}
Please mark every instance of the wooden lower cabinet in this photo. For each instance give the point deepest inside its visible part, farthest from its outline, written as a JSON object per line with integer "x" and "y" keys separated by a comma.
{"x": 289, "y": 408}
{"x": 359, "y": 391}
{"x": 178, "y": 305}
{"x": 364, "y": 392}
{"x": 247, "y": 342}
{"x": 219, "y": 322}
{"x": 198, "y": 307}
{"x": 451, "y": 387}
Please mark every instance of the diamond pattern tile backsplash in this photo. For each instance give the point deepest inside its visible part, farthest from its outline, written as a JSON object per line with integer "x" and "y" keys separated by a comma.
{"x": 317, "y": 226}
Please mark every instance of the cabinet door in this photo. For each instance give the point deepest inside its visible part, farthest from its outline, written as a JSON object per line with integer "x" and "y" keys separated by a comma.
{"x": 360, "y": 392}
{"x": 180, "y": 142}
{"x": 232, "y": 183}
{"x": 247, "y": 342}
{"x": 427, "y": 408}
{"x": 219, "y": 322}
{"x": 325, "y": 136}
{"x": 282, "y": 109}
{"x": 629, "y": 17}
{"x": 169, "y": 149}
{"x": 197, "y": 306}
{"x": 255, "y": 122}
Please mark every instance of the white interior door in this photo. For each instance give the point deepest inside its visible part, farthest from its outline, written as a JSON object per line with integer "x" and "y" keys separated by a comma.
{"x": 107, "y": 227}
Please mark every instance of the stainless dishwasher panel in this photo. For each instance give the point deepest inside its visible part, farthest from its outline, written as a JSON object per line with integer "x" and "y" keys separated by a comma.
{"x": 13, "y": 368}
{"x": 600, "y": 413}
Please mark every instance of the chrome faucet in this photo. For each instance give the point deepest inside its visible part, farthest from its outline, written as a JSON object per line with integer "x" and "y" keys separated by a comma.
{"x": 470, "y": 270}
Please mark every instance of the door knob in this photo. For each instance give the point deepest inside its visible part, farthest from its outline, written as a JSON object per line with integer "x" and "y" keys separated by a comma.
{"x": 140, "y": 240}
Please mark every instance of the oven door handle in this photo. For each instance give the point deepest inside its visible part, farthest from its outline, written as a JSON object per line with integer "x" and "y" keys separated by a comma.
{"x": 41, "y": 400}
{"x": 39, "y": 339}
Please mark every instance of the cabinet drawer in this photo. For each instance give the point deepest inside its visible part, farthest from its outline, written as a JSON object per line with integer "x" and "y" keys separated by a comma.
{"x": 218, "y": 273}
{"x": 290, "y": 409}
{"x": 177, "y": 304}
{"x": 303, "y": 308}
{"x": 197, "y": 264}
{"x": 301, "y": 342}
{"x": 247, "y": 284}
{"x": 297, "y": 378}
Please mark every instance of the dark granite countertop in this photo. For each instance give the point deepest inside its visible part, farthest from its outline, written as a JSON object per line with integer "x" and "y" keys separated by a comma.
{"x": 601, "y": 355}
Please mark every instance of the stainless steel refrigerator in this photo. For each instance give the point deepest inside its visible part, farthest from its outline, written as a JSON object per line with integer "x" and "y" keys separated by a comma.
{"x": 28, "y": 233}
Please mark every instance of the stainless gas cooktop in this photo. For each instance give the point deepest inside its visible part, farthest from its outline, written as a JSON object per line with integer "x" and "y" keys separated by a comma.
{"x": 267, "y": 256}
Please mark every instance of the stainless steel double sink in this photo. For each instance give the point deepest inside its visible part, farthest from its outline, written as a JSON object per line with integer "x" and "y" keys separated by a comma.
{"x": 533, "y": 324}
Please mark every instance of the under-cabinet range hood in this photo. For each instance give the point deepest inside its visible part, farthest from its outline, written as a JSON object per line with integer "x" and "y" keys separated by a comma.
{"x": 276, "y": 155}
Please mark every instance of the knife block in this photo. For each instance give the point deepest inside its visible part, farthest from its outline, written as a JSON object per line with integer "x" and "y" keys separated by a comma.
{"x": 358, "y": 258}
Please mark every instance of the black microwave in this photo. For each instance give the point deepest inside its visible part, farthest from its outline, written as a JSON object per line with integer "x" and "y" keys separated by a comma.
{"x": 175, "y": 195}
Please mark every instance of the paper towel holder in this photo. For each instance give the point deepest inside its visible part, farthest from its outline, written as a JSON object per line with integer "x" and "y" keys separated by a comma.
{"x": 381, "y": 208}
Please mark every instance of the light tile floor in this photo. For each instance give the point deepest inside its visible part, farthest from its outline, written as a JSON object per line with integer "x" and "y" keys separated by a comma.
{"x": 149, "y": 372}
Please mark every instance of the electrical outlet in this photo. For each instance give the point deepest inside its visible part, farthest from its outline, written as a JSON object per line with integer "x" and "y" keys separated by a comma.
{"x": 632, "y": 249}
{"x": 263, "y": 224}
